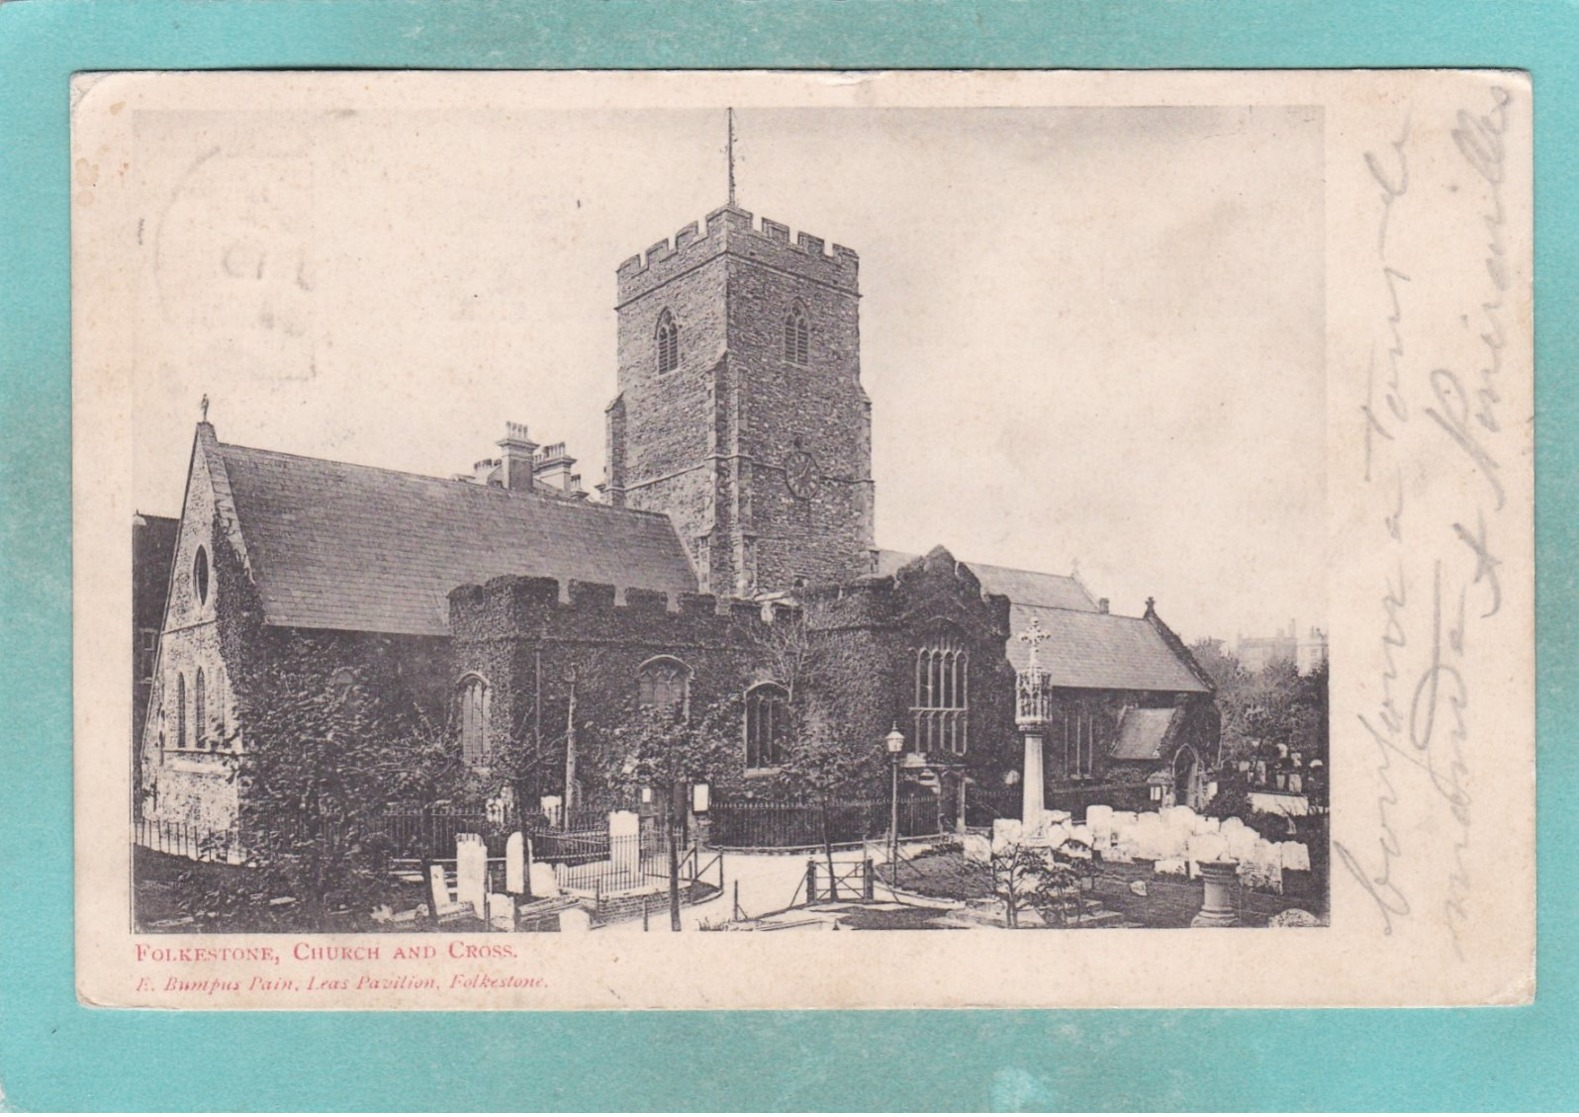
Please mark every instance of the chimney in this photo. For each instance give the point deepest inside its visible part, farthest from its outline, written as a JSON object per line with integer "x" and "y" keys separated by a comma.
{"x": 1102, "y": 604}
{"x": 515, "y": 459}
{"x": 486, "y": 472}
{"x": 551, "y": 469}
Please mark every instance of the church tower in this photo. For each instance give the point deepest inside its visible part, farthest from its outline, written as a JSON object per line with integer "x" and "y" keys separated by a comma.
{"x": 740, "y": 410}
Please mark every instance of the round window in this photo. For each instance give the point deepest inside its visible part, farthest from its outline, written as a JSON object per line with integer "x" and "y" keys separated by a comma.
{"x": 200, "y": 575}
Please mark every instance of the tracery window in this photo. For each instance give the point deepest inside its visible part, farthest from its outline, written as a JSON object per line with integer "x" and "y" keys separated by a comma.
{"x": 664, "y": 683}
{"x": 766, "y": 725}
{"x": 1081, "y": 731}
{"x": 942, "y": 703}
{"x": 668, "y": 343}
{"x": 797, "y": 337}
{"x": 474, "y": 701}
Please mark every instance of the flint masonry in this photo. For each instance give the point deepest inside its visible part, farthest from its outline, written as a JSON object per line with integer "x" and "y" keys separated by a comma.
{"x": 738, "y": 497}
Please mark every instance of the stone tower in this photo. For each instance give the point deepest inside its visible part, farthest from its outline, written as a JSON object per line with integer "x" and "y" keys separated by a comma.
{"x": 740, "y": 410}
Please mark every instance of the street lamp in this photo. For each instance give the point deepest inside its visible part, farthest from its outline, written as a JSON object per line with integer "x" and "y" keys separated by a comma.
{"x": 896, "y": 747}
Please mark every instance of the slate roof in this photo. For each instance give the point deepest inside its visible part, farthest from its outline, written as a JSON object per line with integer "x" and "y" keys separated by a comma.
{"x": 352, "y": 547}
{"x": 1027, "y": 587}
{"x": 1100, "y": 651}
{"x": 1142, "y": 733}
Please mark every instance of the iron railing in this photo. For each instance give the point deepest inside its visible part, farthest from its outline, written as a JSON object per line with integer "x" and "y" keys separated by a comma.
{"x": 771, "y": 824}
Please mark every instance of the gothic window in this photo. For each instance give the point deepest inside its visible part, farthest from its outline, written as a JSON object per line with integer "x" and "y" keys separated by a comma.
{"x": 180, "y": 710}
{"x": 474, "y": 701}
{"x": 664, "y": 684}
{"x": 797, "y": 336}
{"x": 1081, "y": 732}
{"x": 200, "y": 711}
{"x": 200, "y": 575}
{"x": 942, "y": 705}
{"x": 668, "y": 343}
{"x": 766, "y": 724}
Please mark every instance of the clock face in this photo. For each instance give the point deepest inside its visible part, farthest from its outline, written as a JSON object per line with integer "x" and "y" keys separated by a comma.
{"x": 800, "y": 473}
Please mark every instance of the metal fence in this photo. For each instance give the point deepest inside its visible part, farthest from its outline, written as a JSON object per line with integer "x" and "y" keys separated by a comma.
{"x": 599, "y": 863}
{"x": 184, "y": 839}
{"x": 770, "y": 824}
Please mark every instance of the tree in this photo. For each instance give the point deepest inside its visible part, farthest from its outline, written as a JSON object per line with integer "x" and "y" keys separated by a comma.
{"x": 1038, "y": 876}
{"x": 319, "y": 764}
{"x": 661, "y": 748}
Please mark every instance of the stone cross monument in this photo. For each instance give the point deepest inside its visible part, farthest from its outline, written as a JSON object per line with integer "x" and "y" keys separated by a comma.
{"x": 1033, "y": 710}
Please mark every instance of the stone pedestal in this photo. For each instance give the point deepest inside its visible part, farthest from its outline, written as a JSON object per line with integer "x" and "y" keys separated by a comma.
{"x": 1032, "y": 802}
{"x": 1222, "y": 886}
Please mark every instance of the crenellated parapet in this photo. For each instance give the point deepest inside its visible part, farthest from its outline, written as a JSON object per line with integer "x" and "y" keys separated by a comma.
{"x": 521, "y": 607}
{"x": 736, "y": 232}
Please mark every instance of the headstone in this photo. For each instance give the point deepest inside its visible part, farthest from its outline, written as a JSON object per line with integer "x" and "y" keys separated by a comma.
{"x": 977, "y": 847}
{"x": 501, "y": 911}
{"x": 553, "y": 810}
{"x": 1206, "y": 847}
{"x": 439, "y": 887}
{"x": 1169, "y": 866}
{"x": 1006, "y": 832}
{"x": 545, "y": 885}
{"x": 625, "y": 847}
{"x": 1295, "y": 856}
{"x": 1138, "y": 887}
{"x": 575, "y": 921}
{"x": 1099, "y": 817}
{"x": 471, "y": 872}
{"x": 515, "y": 864}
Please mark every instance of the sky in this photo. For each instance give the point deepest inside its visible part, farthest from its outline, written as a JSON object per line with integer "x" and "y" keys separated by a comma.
{"x": 1093, "y": 338}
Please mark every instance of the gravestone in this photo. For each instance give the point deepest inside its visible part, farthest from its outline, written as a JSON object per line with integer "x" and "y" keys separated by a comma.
{"x": 501, "y": 911}
{"x": 1099, "y": 817}
{"x": 575, "y": 921}
{"x": 553, "y": 810}
{"x": 625, "y": 847}
{"x": 471, "y": 872}
{"x": 545, "y": 886}
{"x": 439, "y": 886}
{"x": 515, "y": 864}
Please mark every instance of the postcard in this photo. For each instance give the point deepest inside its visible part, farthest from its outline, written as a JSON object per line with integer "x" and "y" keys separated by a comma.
{"x": 572, "y": 540}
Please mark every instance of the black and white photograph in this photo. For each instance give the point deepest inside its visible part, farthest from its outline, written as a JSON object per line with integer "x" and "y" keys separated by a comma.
{"x": 741, "y": 511}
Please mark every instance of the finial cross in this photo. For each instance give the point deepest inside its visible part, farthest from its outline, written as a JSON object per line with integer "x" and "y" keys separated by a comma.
{"x": 1034, "y": 637}
{"x": 203, "y": 406}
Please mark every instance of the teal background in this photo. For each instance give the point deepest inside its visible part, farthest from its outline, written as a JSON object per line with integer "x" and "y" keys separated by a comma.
{"x": 55, "y": 1054}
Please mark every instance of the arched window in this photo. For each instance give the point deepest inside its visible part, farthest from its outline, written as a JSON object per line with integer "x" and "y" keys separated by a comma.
{"x": 942, "y": 705}
{"x": 766, "y": 725}
{"x": 180, "y": 710}
{"x": 200, "y": 711}
{"x": 797, "y": 336}
{"x": 474, "y": 720}
{"x": 668, "y": 343}
{"x": 664, "y": 684}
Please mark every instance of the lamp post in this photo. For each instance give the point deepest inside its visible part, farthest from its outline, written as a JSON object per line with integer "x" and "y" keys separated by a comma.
{"x": 896, "y": 747}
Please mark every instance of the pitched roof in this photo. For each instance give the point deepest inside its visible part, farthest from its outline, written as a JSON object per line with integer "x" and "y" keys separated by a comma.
{"x": 1142, "y": 733}
{"x": 1100, "y": 651}
{"x": 352, "y": 547}
{"x": 1027, "y": 587}
{"x": 1087, "y": 649}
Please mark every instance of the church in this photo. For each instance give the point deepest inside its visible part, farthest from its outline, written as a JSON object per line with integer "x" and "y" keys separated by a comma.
{"x": 726, "y": 570}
